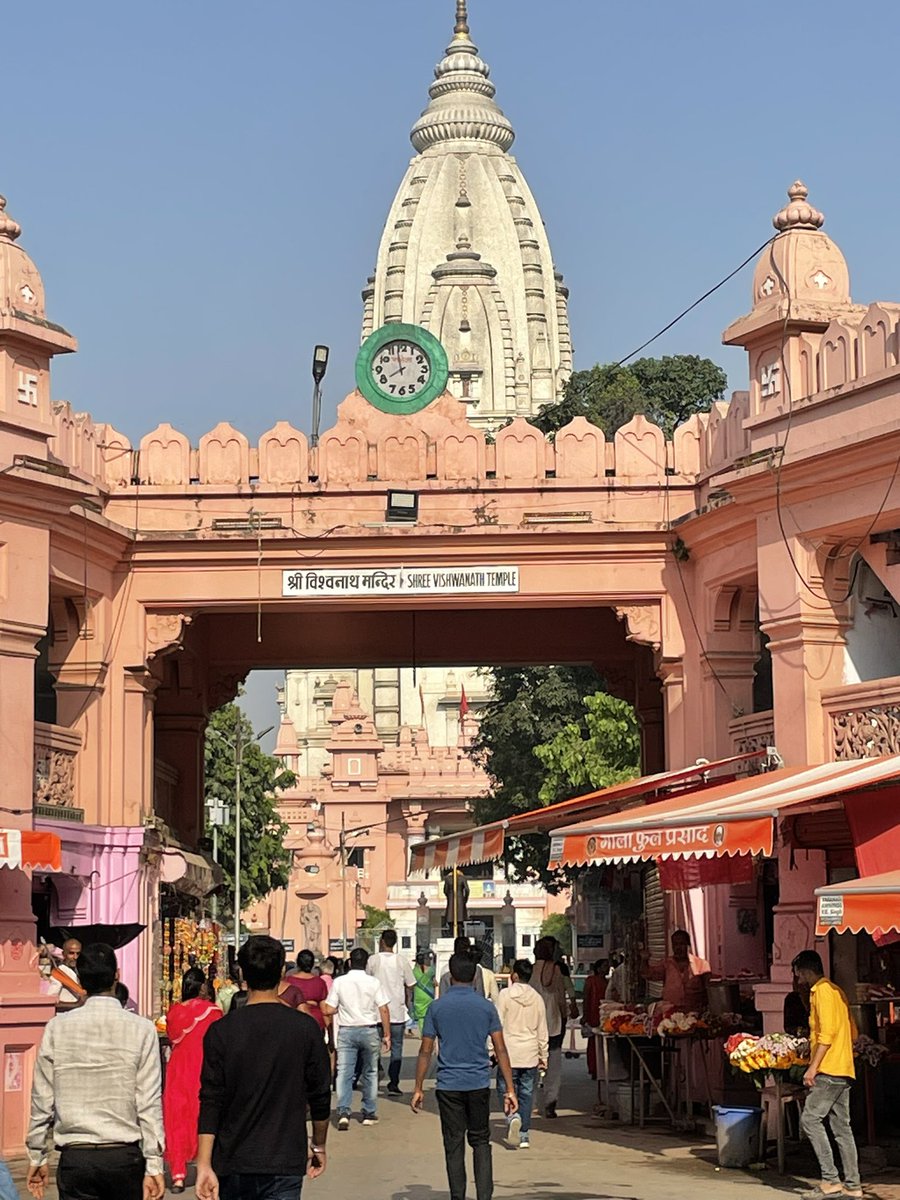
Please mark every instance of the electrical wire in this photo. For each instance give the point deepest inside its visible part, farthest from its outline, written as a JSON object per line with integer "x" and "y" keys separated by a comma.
{"x": 690, "y": 308}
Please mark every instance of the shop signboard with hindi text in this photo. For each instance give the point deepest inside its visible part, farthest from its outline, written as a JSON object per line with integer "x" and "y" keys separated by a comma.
{"x": 753, "y": 835}
{"x": 401, "y": 581}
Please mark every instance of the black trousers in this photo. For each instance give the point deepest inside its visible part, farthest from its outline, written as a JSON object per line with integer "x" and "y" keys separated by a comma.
{"x": 466, "y": 1115}
{"x": 101, "y": 1173}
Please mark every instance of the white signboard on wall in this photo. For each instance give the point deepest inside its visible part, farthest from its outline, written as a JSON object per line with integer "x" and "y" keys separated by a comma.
{"x": 401, "y": 581}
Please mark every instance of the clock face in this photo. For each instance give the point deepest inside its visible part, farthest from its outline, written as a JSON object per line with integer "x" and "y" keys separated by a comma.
{"x": 401, "y": 369}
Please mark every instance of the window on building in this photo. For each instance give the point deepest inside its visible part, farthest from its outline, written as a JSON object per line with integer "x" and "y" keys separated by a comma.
{"x": 526, "y": 940}
{"x": 357, "y": 858}
{"x": 405, "y": 942}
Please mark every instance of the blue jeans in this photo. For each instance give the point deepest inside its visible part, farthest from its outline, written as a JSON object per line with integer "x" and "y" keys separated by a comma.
{"x": 397, "y": 1032}
{"x": 524, "y": 1079}
{"x": 8, "y": 1189}
{"x": 351, "y": 1040}
{"x": 260, "y": 1187}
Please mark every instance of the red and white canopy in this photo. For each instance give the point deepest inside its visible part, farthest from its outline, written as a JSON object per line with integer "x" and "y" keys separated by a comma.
{"x": 734, "y": 818}
{"x": 486, "y": 842}
{"x": 30, "y": 848}
{"x": 871, "y": 903}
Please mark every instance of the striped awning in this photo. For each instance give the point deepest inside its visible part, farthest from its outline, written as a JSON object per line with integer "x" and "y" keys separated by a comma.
{"x": 30, "y": 848}
{"x": 871, "y": 903}
{"x": 734, "y": 818}
{"x": 486, "y": 842}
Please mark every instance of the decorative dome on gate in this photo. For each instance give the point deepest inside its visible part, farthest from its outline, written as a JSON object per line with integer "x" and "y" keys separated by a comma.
{"x": 464, "y": 251}
{"x": 21, "y": 286}
{"x": 802, "y": 262}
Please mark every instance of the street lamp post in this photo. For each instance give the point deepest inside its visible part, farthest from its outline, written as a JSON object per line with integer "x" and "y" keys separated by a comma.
{"x": 237, "y": 745}
{"x": 218, "y": 815}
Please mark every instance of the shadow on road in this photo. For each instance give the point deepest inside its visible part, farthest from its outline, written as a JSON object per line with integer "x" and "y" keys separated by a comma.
{"x": 420, "y": 1191}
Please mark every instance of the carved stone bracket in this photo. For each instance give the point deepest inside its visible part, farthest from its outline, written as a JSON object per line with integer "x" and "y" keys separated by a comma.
{"x": 165, "y": 631}
{"x": 223, "y": 686}
{"x": 642, "y": 622}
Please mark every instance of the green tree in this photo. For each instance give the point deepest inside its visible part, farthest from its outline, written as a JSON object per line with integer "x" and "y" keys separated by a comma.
{"x": 557, "y": 926}
{"x": 265, "y": 863}
{"x": 376, "y": 919}
{"x": 602, "y": 749}
{"x": 528, "y": 707}
{"x": 666, "y": 390}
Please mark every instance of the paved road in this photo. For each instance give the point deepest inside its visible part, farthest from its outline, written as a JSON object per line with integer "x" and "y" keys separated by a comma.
{"x": 576, "y": 1157}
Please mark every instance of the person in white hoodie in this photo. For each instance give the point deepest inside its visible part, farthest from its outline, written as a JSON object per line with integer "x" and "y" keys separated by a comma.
{"x": 524, "y": 1019}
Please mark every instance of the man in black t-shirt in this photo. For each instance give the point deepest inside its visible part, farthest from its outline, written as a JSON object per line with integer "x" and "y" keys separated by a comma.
{"x": 262, "y": 1066}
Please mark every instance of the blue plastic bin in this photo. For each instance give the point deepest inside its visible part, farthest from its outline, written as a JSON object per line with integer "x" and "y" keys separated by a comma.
{"x": 737, "y": 1135}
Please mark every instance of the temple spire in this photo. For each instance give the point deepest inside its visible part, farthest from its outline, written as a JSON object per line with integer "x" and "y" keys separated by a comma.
{"x": 462, "y": 19}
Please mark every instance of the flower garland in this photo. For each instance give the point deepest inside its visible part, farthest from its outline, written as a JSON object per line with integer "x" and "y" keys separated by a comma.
{"x": 772, "y": 1054}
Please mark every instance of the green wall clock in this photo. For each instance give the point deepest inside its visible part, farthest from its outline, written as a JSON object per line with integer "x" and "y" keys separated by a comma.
{"x": 401, "y": 368}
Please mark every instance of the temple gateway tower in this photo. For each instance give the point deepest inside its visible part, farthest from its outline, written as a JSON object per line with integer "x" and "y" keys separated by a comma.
{"x": 464, "y": 252}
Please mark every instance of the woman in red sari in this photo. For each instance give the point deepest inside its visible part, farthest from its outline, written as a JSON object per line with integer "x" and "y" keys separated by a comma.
{"x": 186, "y": 1026}
{"x": 594, "y": 992}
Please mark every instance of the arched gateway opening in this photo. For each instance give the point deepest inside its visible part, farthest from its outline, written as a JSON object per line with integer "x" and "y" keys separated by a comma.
{"x": 217, "y": 650}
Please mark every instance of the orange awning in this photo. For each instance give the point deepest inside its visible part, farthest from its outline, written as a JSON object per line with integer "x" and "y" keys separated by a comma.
{"x": 871, "y": 903}
{"x": 734, "y": 818}
{"x": 486, "y": 842}
{"x": 30, "y": 848}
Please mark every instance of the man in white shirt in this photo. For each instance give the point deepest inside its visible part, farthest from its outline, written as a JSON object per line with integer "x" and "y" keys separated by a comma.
{"x": 361, "y": 1005}
{"x": 394, "y": 973}
{"x": 97, "y": 1081}
{"x": 524, "y": 1017}
{"x": 63, "y": 982}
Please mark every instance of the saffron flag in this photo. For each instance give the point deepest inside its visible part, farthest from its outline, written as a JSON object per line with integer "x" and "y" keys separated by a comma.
{"x": 422, "y": 702}
{"x": 463, "y": 702}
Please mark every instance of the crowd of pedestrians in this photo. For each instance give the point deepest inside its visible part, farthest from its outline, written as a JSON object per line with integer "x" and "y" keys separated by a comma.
{"x": 251, "y": 1070}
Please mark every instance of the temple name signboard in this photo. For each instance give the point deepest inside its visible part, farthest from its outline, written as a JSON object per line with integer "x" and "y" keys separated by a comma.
{"x": 401, "y": 581}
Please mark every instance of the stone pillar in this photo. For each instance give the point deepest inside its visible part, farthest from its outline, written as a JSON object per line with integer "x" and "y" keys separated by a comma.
{"x": 806, "y": 639}
{"x": 671, "y": 672}
{"x": 649, "y": 706}
{"x": 800, "y": 872}
{"x": 423, "y": 923}
{"x": 136, "y": 784}
{"x": 178, "y": 742}
{"x": 23, "y": 1010}
{"x": 508, "y": 928}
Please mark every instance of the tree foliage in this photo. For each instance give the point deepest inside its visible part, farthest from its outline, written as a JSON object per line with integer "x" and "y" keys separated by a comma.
{"x": 376, "y": 919}
{"x": 602, "y": 749}
{"x": 546, "y": 734}
{"x": 557, "y": 926}
{"x": 528, "y": 706}
{"x": 265, "y": 863}
{"x": 666, "y": 390}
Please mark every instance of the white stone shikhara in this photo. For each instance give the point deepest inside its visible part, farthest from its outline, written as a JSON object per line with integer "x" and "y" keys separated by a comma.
{"x": 465, "y": 254}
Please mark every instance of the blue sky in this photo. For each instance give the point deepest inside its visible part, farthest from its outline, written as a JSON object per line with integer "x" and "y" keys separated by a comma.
{"x": 203, "y": 185}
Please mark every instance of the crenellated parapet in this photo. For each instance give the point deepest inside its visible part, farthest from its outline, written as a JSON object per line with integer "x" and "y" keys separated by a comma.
{"x": 436, "y": 448}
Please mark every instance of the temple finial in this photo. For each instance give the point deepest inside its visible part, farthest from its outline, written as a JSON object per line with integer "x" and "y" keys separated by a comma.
{"x": 462, "y": 19}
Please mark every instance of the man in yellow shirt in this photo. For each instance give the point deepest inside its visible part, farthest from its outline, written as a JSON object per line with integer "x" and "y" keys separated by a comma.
{"x": 829, "y": 1077}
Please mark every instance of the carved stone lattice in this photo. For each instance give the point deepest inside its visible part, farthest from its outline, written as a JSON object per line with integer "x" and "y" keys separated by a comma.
{"x": 752, "y": 733}
{"x": 54, "y": 777}
{"x": 866, "y": 732}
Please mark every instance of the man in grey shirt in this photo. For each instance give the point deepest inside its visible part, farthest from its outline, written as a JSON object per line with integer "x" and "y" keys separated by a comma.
{"x": 97, "y": 1081}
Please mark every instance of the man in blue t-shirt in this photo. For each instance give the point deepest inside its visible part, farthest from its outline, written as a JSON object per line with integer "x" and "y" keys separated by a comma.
{"x": 462, "y": 1021}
